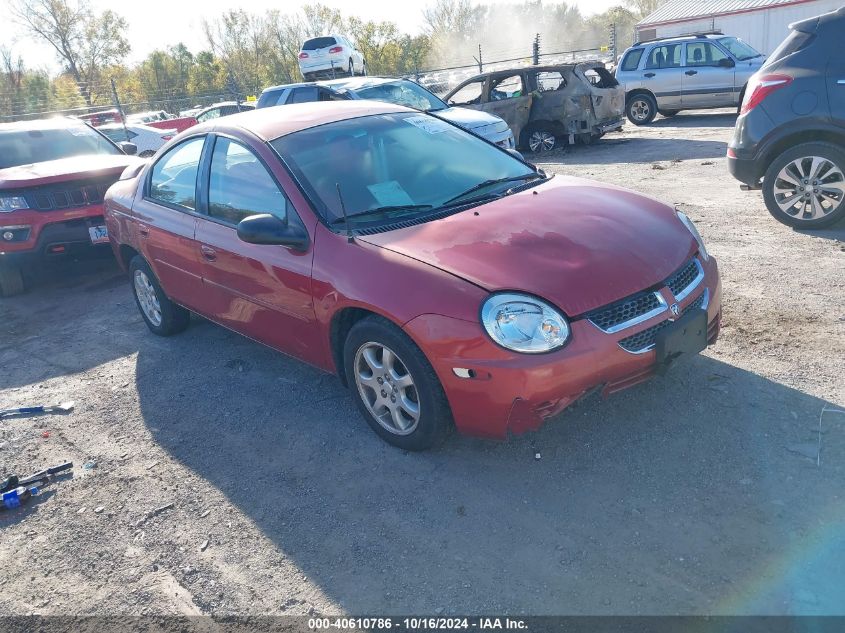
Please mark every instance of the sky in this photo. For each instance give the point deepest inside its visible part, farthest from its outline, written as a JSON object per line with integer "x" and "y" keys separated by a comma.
{"x": 156, "y": 24}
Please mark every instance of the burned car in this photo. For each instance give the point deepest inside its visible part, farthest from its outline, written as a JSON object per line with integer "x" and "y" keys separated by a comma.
{"x": 547, "y": 106}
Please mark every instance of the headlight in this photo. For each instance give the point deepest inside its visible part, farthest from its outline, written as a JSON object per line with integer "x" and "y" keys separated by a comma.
{"x": 688, "y": 223}
{"x": 523, "y": 323}
{"x": 12, "y": 203}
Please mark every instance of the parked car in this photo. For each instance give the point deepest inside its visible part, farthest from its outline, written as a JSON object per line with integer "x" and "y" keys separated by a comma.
{"x": 146, "y": 138}
{"x": 685, "y": 73}
{"x": 224, "y": 108}
{"x": 53, "y": 175}
{"x": 398, "y": 91}
{"x": 149, "y": 116}
{"x": 330, "y": 56}
{"x": 789, "y": 139}
{"x": 547, "y": 105}
{"x": 443, "y": 279}
{"x": 96, "y": 119}
{"x": 180, "y": 124}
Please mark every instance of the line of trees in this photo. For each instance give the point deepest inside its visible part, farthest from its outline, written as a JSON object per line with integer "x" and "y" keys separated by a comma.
{"x": 248, "y": 51}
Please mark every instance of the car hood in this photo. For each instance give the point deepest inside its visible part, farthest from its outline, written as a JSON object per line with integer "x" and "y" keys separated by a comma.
{"x": 469, "y": 119}
{"x": 577, "y": 243}
{"x": 64, "y": 169}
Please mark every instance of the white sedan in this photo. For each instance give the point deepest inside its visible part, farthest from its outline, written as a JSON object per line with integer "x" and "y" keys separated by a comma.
{"x": 147, "y": 138}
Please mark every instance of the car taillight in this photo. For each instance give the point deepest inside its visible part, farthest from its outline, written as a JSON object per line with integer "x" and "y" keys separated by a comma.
{"x": 761, "y": 87}
{"x": 303, "y": 55}
{"x": 336, "y": 49}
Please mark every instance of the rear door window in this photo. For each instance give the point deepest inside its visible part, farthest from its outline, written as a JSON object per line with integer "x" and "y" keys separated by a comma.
{"x": 550, "y": 81}
{"x": 664, "y": 56}
{"x": 632, "y": 59}
{"x": 506, "y": 88}
{"x": 306, "y": 94}
{"x": 173, "y": 179}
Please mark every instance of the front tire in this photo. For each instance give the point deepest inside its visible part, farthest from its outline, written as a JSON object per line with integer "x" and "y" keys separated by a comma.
{"x": 805, "y": 186}
{"x": 11, "y": 280}
{"x": 162, "y": 316}
{"x": 394, "y": 386}
{"x": 641, "y": 109}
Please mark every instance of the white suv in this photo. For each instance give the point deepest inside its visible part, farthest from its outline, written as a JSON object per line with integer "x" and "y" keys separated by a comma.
{"x": 330, "y": 56}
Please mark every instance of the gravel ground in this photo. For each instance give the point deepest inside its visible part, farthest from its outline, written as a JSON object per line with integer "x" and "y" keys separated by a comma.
{"x": 716, "y": 489}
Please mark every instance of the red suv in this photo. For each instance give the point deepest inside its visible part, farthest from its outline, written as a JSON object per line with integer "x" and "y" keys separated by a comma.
{"x": 53, "y": 176}
{"x": 441, "y": 277}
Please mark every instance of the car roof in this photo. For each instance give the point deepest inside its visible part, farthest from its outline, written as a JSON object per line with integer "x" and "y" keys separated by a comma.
{"x": 301, "y": 84}
{"x": 55, "y": 123}
{"x": 517, "y": 69}
{"x": 271, "y": 123}
{"x": 678, "y": 38}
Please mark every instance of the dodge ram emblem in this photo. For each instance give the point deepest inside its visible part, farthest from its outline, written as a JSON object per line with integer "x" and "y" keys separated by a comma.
{"x": 675, "y": 309}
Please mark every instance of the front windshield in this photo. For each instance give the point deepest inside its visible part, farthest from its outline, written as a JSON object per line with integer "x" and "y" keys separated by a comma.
{"x": 405, "y": 93}
{"x": 396, "y": 160}
{"x": 738, "y": 48}
{"x": 23, "y": 147}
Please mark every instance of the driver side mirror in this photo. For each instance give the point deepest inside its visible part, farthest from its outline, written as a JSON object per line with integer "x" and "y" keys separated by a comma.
{"x": 726, "y": 62}
{"x": 268, "y": 229}
{"x": 130, "y": 149}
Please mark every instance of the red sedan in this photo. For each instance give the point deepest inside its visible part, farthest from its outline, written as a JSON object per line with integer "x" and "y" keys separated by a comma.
{"x": 445, "y": 281}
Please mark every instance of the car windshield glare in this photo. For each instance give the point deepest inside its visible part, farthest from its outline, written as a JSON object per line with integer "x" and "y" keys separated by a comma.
{"x": 405, "y": 93}
{"x": 738, "y": 48}
{"x": 395, "y": 160}
{"x": 22, "y": 147}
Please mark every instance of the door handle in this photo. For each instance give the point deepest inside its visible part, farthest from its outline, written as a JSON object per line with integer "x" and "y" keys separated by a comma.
{"x": 143, "y": 230}
{"x": 209, "y": 253}
{"x": 649, "y": 75}
{"x": 691, "y": 72}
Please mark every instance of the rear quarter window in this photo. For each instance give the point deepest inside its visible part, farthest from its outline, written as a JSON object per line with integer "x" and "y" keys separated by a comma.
{"x": 632, "y": 59}
{"x": 794, "y": 42}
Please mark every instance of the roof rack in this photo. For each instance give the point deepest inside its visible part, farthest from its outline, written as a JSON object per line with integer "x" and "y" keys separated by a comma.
{"x": 697, "y": 34}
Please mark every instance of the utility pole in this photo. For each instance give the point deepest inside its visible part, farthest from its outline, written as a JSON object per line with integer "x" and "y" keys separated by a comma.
{"x": 119, "y": 109}
{"x": 613, "y": 41}
{"x": 535, "y": 50}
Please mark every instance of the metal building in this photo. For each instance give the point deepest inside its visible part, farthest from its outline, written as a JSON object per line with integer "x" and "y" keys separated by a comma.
{"x": 761, "y": 23}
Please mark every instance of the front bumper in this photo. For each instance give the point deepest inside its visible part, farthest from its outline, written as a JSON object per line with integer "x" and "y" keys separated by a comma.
{"x": 500, "y": 393}
{"x": 40, "y": 234}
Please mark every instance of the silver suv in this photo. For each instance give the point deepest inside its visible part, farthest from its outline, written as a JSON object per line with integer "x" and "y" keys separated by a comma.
{"x": 685, "y": 73}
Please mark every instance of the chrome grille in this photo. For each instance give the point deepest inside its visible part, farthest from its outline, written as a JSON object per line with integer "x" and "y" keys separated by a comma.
{"x": 683, "y": 282}
{"x": 617, "y": 316}
{"x": 644, "y": 341}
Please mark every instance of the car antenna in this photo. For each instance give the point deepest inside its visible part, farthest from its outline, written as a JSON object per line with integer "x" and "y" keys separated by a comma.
{"x": 345, "y": 217}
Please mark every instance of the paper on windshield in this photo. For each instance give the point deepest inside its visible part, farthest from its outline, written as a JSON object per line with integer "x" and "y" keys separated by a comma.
{"x": 390, "y": 194}
{"x": 429, "y": 124}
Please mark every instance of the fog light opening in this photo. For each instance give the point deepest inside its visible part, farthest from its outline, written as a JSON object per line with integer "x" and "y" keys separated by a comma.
{"x": 462, "y": 372}
{"x": 8, "y": 236}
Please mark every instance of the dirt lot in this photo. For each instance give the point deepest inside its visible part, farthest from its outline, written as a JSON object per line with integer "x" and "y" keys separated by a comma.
{"x": 716, "y": 489}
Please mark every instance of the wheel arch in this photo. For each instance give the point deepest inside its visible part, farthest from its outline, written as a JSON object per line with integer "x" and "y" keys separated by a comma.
{"x": 780, "y": 145}
{"x": 126, "y": 255}
{"x": 640, "y": 91}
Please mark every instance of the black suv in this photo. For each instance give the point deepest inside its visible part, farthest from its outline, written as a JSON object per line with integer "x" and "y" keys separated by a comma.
{"x": 789, "y": 139}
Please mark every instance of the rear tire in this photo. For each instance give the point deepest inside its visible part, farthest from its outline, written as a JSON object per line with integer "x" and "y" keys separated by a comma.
{"x": 394, "y": 386}
{"x": 351, "y": 69}
{"x": 641, "y": 108}
{"x": 538, "y": 138}
{"x": 818, "y": 168}
{"x": 162, "y": 316}
{"x": 11, "y": 280}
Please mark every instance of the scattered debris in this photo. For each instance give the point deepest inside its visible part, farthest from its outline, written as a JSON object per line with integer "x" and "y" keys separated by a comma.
{"x": 658, "y": 166}
{"x": 205, "y": 514}
{"x": 45, "y": 434}
{"x": 99, "y": 509}
{"x": 537, "y": 456}
{"x": 153, "y": 465}
{"x": 149, "y": 515}
{"x": 81, "y": 510}
{"x": 708, "y": 162}
{"x": 64, "y": 407}
{"x": 91, "y": 465}
{"x": 204, "y": 545}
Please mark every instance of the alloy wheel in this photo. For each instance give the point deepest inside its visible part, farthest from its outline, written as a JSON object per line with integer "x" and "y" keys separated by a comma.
{"x": 387, "y": 388}
{"x": 809, "y": 188}
{"x": 541, "y": 141}
{"x": 640, "y": 109}
{"x": 146, "y": 293}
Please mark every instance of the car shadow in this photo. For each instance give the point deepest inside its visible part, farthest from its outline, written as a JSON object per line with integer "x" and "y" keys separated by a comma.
{"x": 697, "y": 119}
{"x": 698, "y": 492}
{"x": 649, "y": 150}
{"x": 82, "y": 335}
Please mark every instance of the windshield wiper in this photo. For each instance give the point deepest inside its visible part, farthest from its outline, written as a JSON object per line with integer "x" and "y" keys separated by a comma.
{"x": 398, "y": 208}
{"x": 488, "y": 183}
